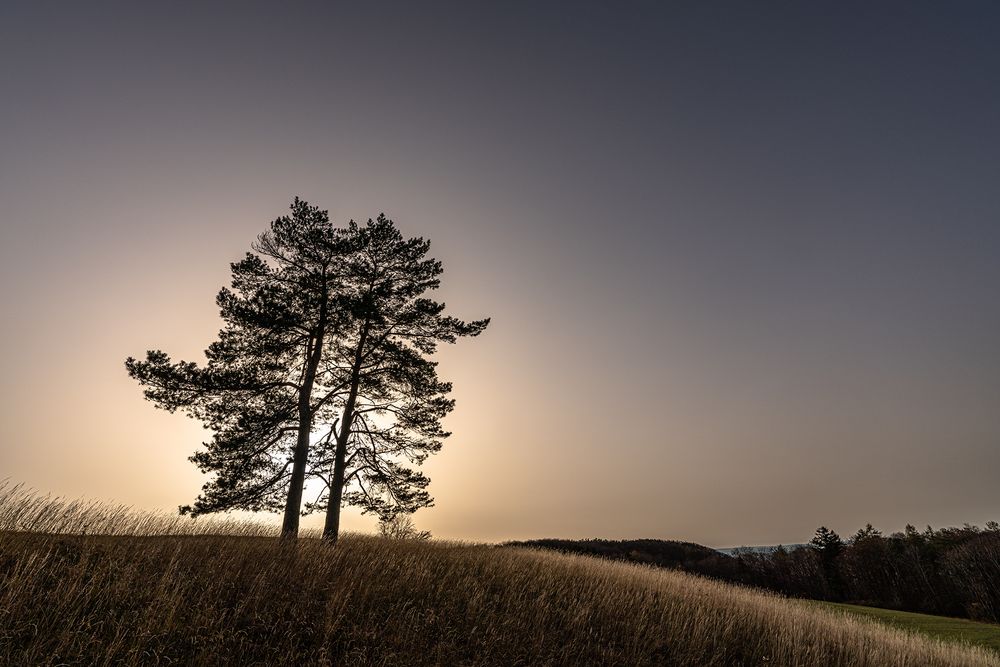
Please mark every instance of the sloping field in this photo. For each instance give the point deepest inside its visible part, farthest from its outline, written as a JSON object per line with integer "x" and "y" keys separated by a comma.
{"x": 245, "y": 599}
{"x": 942, "y": 627}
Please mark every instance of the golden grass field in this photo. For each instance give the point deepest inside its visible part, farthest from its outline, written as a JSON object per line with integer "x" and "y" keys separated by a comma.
{"x": 147, "y": 589}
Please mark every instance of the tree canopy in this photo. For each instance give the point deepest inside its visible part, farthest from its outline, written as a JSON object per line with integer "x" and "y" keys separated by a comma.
{"x": 321, "y": 370}
{"x": 391, "y": 409}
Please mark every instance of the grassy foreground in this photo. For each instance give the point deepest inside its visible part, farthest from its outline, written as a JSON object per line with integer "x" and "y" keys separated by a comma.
{"x": 241, "y": 597}
{"x": 942, "y": 627}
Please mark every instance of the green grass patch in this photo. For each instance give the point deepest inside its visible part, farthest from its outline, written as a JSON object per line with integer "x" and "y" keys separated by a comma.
{"x": 985, "y": 635}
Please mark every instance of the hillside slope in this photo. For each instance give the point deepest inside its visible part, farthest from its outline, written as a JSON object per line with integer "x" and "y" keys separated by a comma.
{"x": 243, "y": 599}
{"x": 686, "y": 556}
{"x": 962, "y": 630}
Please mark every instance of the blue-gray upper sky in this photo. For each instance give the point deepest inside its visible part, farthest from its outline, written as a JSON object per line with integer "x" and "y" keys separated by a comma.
{"x": 742, "y": 258}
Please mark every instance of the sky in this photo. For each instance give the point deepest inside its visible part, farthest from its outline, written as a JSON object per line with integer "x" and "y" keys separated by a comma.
{"x": 741, "y": 258}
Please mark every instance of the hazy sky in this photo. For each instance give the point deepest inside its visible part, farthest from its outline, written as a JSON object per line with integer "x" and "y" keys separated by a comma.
{"x": 741, "y": 259}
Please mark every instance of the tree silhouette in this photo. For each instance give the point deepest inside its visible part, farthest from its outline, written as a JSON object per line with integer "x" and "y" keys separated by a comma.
{"x": 262, "y": 384}
{"x": 829, "y": 546}
{"x": 827, "y": 542}
{"x": 389, "y": 416}
{"x": 869, "y": 532}
{"x": 325, "y": 332}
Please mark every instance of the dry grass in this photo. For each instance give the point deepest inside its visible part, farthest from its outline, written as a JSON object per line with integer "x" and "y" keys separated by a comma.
{"x": 148, "y": 593}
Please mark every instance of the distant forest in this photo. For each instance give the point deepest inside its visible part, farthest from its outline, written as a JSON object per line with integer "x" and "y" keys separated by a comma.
{"x": 948, "y": 571}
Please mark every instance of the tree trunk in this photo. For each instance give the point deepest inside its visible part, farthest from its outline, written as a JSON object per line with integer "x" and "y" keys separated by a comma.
{"x": 300, "y": 456}
{"x": 331, "y": 527}
{"x": 290, "y": 523}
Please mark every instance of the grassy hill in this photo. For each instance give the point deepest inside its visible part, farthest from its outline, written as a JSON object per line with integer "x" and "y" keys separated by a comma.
{"x": 942, "y": 627}
{"x": 686, "y": 556}
{"x": 148, "y": 594}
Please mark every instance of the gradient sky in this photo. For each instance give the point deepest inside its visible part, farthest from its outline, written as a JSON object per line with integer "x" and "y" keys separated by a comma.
{"x": 741, "y": 258}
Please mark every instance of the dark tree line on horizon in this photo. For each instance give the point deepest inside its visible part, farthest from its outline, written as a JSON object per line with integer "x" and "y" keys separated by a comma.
{"x": 321, "y": 371}
{"x": 947, "y": 571}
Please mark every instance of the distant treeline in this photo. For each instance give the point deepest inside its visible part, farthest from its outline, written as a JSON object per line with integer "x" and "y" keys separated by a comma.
{"x": 948, "y": 571}
{"x": 686, "y": 556}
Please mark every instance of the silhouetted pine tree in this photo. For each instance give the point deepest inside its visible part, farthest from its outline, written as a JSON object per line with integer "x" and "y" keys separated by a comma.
{"x": 827, "y": 542}
{"x": 829, "y": 545}
{"x": 265, "y": 377}
{"x": 869, "y": 532}
{"x": 327, "y": 333}
{"x": 389, "y": 415}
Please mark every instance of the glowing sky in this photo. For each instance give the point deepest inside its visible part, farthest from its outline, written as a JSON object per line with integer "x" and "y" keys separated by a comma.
{"x": 741, "y": 260}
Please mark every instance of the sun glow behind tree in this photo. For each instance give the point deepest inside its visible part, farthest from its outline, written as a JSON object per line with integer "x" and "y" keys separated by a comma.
{"x": 327, "y": 330}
